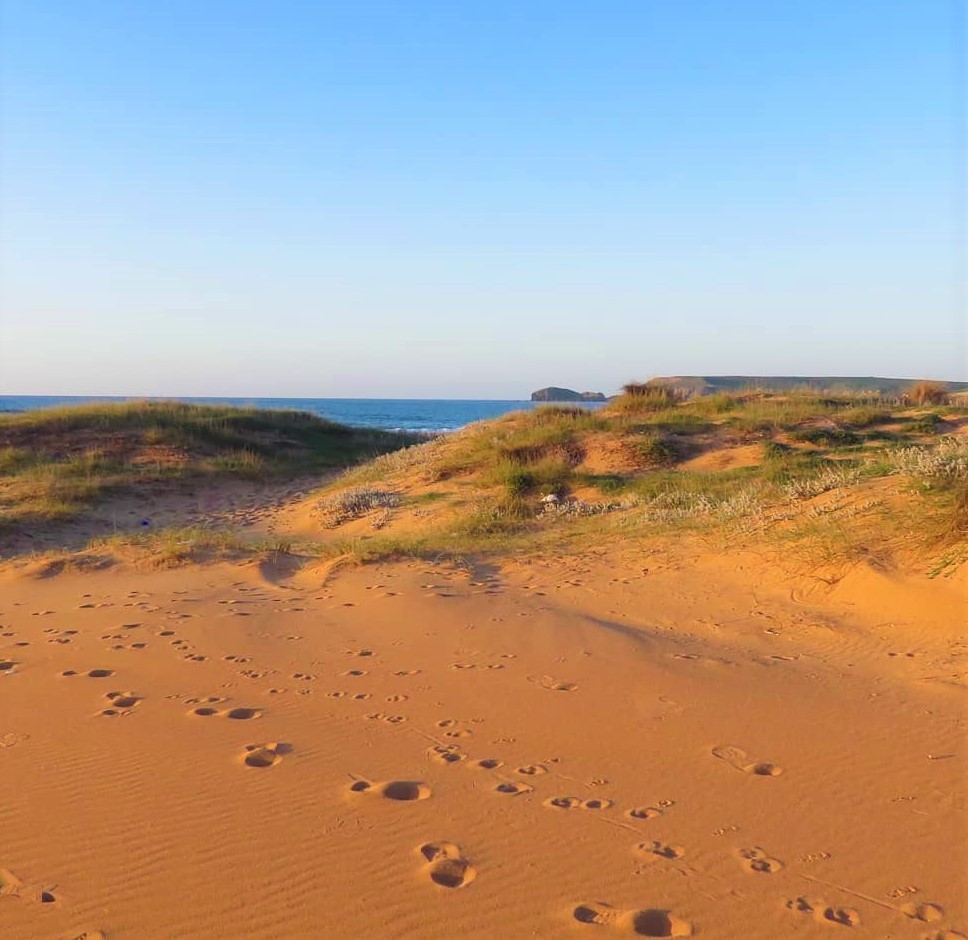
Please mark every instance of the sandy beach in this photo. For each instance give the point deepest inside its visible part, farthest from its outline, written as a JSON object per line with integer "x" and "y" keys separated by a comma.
{"x": 658, "y": 741}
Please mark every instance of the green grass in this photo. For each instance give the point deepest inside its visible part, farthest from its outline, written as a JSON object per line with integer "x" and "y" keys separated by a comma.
{"x": 825, "y": 437}
{"x": 53, "y": 466}
{"x": 651, "y": 450}
{"x": 930, "y": 423}
{"x": 55, "y": 463}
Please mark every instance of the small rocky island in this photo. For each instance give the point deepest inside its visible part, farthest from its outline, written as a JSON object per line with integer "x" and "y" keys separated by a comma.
{"x": 565, "y": 394}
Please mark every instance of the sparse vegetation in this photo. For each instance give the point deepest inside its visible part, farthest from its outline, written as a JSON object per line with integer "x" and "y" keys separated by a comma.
{"x": 651, "y": 450}
{"x": 946, "y": 461}
{"x": 614, "y": 473}
{"x": 353, "y": 503}
{"x": 55, "y": 463}
{"x": 814, "y": 450}
{"x": 639, "y": 397}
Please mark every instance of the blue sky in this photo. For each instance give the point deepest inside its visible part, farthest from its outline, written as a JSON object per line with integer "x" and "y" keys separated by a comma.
{"x": 476, "y": 199}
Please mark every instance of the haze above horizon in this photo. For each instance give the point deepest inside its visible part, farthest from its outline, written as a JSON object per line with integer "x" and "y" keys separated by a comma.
{"x": 474, "y": 200}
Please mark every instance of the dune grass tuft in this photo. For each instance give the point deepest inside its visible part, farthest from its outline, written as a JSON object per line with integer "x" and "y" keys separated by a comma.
{"x": 55, "y": 463}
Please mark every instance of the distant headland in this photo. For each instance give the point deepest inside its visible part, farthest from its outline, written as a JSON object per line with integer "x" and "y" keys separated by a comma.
{"x": 552, "y": 393}
{"x": 689, "y": 386}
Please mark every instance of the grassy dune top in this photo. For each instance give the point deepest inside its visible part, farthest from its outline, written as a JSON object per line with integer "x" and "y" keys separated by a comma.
{"x": 851, "y": 475}
{"x": 56, "y": 462}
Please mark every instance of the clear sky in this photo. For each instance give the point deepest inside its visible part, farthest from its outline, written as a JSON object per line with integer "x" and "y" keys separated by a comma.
{"x": 477, "y": 198}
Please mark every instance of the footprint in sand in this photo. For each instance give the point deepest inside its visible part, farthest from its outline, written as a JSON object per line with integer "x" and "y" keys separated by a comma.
{"x": 758, "y": 861}
{"x": 562, "y": 802}
{"x": 242, "y": 714}
{"x": 355, "y": 673}
{"x": 738, "y": 758}
{"x": 596, "y": 804}
{"x": 400, "y": 791}
{"x": 12, "y": 886}
{"x": 929, "y": 913}
{"x": 205, "y": 700}
{"x": 552, "y": 684}
{"x": 645, "y": 923}
{"x": 121, "y": 703}
{"x": 446, "y": 754}
{"x": 488, "y": 763}
{"x": 824, "y": 913}
{"x": 446, "y": 866}
{"x": 532, "y": 770}
{"x": 387, "y": 719}
{"x": 652, "y": 851}
{"x": 845, "y": 916}
{"x": 644, "y": 812}
{"x": 513, "y": 789}
{"x": 265, "y": 755}
{"x": 7, "y": 666}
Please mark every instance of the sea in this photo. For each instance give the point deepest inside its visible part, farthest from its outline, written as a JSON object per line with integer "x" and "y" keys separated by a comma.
{"x": 427, "y": 415}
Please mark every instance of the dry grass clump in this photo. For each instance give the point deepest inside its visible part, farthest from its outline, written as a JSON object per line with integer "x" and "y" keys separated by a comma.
{"x": 651, "y": 450}
{"x": 421, "y": 458}
{"x": 863, "y": 416}
{"x": 928, "y": 393}
{"x": 945, "y": 461}
{"x": 642, "y": 397}
{"x": 353, "y": 503}
{"x": 958, "y": 522}
{"x": 829, "y": 478}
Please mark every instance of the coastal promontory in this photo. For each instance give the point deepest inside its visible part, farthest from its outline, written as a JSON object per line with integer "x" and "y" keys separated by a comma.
{"x": 552, "y": 393}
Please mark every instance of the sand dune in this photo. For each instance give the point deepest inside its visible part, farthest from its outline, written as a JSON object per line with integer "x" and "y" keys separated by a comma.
{"x": 655, "y": 743}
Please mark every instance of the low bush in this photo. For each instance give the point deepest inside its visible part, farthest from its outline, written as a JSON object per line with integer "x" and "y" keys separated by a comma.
{"x": 928, "y": 393}
{"x": 945, "y": 461}
{"x": 353, "y": 503}
{"x": 825, "y": 436}
{"x": 862, "y": 417}
{"x": 651, "y": 450}
{"x": 930, "y": 423}
{"x": 638, "y": 397}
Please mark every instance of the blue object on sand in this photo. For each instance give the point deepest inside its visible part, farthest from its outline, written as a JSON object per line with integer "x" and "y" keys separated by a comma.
{"x": 146, "y": 522}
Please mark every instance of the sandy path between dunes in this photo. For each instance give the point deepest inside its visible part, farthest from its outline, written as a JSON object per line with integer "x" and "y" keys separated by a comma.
{"x": 609, "y": 746}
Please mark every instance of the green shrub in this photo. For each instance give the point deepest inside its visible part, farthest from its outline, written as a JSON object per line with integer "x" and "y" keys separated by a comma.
{"x": 14, "y": 459}
{"x": 931, "y": 423}
{"x": 774, "y": 451}
{"x": 652, "y": 450}
{"x": 862, "y": 417}
{"x": 825, "y": 437}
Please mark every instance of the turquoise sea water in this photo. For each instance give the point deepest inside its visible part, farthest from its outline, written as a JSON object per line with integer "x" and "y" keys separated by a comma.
{"x": 429, "y": 415}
